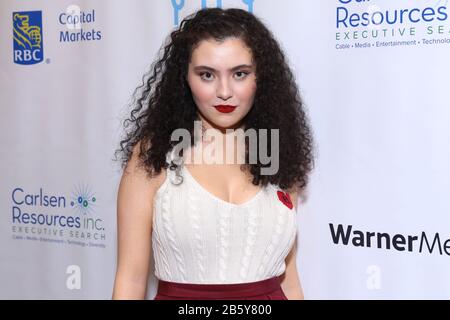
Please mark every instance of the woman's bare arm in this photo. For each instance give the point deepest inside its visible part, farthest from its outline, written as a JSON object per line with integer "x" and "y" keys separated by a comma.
{"x": 134, "y": 227}
{"x": 290, "y": 283}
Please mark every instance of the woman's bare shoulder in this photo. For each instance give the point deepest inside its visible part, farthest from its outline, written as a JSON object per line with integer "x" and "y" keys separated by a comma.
{"x": 139, "y": 177}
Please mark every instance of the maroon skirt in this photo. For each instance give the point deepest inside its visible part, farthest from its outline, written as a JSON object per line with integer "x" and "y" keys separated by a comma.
{"x": 269, "y": 289}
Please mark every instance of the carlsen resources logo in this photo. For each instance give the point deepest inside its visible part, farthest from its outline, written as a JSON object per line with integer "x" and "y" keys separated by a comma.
{"x": 45, "y": 216}
{"x": 366, "y": 24}
{"x": 28, "y": 46}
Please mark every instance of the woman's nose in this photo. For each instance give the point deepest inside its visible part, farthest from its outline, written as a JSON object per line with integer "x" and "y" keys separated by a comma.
{"x": 224, "y": 90}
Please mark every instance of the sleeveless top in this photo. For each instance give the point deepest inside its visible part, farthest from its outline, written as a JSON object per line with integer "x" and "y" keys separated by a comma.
{"x": 199, "y": 238}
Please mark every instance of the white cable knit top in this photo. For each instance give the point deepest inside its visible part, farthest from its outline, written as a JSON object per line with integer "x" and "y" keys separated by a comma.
{"x": 199, "y": 238}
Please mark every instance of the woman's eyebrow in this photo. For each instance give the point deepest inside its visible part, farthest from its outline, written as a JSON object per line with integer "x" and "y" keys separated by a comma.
{"x": 232, "y": 69}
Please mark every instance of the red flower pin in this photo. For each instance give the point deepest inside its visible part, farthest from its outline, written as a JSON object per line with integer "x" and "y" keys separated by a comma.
{"x": 285, "y": 198}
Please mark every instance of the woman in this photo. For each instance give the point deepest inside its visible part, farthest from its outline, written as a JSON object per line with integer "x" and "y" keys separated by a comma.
{"x": 216, "y": 231}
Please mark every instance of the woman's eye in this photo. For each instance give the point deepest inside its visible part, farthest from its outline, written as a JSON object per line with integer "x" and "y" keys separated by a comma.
{"x": 241, "y": 74}
{"x": 206, "y": 76}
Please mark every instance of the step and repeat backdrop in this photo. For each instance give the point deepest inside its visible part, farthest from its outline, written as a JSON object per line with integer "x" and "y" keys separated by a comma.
{"x": 375, "y": 221}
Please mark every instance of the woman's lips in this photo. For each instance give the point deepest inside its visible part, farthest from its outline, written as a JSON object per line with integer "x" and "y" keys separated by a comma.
{"x": 225, "y": 108}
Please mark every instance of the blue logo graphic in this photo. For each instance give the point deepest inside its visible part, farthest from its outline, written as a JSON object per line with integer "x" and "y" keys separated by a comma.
{"x": 27, "y": 34}
{"x": 83, "y": 200}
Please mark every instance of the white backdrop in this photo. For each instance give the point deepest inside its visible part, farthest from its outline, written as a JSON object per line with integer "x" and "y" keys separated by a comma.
{"x": 378, "y": 100}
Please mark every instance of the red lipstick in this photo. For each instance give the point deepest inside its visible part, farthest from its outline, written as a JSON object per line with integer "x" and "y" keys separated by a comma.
{"x": 225, "y": 108}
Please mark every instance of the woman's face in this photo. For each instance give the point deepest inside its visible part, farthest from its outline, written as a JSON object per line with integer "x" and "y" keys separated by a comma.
{"x": 222, "y": 73}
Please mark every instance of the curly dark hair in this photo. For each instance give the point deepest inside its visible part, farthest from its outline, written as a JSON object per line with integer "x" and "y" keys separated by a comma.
{"x": 164, "y": 101}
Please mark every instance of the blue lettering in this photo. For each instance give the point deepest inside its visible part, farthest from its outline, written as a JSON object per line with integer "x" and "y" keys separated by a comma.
{"x": 70, "y": 221}
{"x": 25, "y": 218}
{"x": 16, "y": 213}
{"x": 75, "y": 17}
{"x": 39, "y": 220}
{"x": 98, "y": 227}
{"x": 73, "y": 20}
{"x": 62, "y": 224}
{"x": 59, "y": 221}
{"x": 178, "y": 5}
{"x": 365, "y": 19}
{"x": 218, "y": 4}
{"x": 381, "y": 18}
{"x": 61, "y": 18}
{"x": 249, "y": 4}
{"x": 428, "y": 12}
{"x": 395, "y": 17}
{"x": 176, "y": 8}
{"x": 401, "y": 14}
{"x": 354, "y": 20}
{"x": 346, "y": 19}
{"x": 343, "y": 20}
{"x": 64, "y": 36}
{"x": 37, "y": 199}
{"x": 13, "y": 195}
{"x": 441, "y": 11}
{"x": 77, "y": 220}
{"x": 410, "y": 15}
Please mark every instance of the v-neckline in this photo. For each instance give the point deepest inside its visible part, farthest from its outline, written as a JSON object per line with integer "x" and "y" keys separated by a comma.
{"x": 211, "y": 195}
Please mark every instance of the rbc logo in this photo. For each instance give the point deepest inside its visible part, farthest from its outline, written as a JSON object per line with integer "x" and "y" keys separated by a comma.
{"x": 27, "y": 34}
